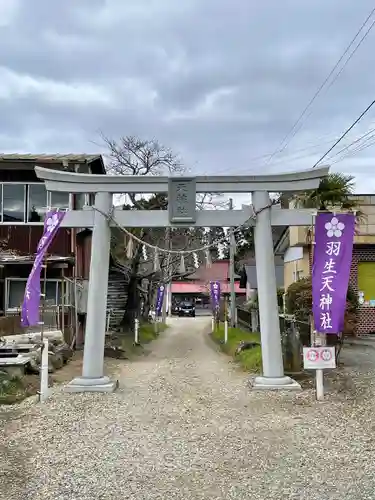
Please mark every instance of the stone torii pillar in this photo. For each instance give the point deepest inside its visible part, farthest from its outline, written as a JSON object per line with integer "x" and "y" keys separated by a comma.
{"x": 272, "y": 357}
{"x": 182, "y": 213}
{"x": 93, "y": 378}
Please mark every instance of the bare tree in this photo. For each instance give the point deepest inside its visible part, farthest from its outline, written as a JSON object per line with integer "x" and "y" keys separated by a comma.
{"x": 133, "y": 156}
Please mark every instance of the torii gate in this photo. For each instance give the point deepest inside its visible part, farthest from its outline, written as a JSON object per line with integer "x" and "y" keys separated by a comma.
{"x": 182, "y": 212}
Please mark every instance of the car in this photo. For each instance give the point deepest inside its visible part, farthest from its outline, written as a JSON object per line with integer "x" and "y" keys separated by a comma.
{"x": 186, "y": 308}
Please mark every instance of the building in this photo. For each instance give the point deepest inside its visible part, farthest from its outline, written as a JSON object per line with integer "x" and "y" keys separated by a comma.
{"x": 24, "y": 202}
{"x": 251, "y": 272}
{"x": 197, "y": 284}
{"x": 294, "y": 246}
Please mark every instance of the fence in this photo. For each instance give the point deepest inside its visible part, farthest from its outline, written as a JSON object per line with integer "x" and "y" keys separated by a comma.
{"x": 294, "y": 335}
{"x": 248, "y": 318}
{"x": 62, "y": 315}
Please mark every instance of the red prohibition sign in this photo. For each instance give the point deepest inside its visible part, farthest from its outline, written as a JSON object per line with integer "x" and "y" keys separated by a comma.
{"x": 312, "y": 355}
{"x": 326, "y": 355}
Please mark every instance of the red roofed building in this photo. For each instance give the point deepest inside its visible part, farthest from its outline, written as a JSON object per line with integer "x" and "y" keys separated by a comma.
{"x": 197, "y": 285}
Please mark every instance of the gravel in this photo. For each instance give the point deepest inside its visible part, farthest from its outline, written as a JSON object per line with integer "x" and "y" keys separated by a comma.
{"x": 184, "y": 425}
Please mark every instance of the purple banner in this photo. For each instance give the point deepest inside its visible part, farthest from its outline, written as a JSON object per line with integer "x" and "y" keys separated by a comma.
{"x": 31, "y": 301}
{"x": 215, "y": 294}
{"x": 159, "y": 300}
{"x": 333, "y": 250}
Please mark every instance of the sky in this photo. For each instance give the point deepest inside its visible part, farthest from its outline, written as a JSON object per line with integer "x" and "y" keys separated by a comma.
{"x": 220, "y": 82}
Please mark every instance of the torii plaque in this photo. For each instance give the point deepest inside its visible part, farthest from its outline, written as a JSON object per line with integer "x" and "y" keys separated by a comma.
{"x": 182, "y": 200}
{"x": 93, "y": 379}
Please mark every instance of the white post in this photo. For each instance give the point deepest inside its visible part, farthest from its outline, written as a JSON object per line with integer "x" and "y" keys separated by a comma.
{"x": 319, "y": 385}
{"x": 272, "y": 358}
{"x": 248, "y": 291}
{"x": 213, "y": 324}
{"x": 320, "y": 340}
{"x": 169, "y": 299}
{"x": 136, "y": 331}
{"x": 44, "y": 390}
{"x": 62, "y": 303}
{"x": 156, "y": 324}
{"x": 93, "y": 379}
{"x": 108, "y": 322}
{"x": 226, "y": 331}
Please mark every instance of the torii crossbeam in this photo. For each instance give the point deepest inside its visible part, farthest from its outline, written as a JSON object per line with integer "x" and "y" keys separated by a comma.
{"x": 182, "y": 213}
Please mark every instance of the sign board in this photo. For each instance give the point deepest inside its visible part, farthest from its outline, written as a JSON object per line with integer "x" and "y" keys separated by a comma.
{"x": 319, "y": 358}
{"x": 182, "y": 200}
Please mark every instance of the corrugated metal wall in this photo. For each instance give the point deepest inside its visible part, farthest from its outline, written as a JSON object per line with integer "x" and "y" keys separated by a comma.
{"x": 83, "y": 255}
{"x": 116, "y": 298}
{"x": 25, "y": 239}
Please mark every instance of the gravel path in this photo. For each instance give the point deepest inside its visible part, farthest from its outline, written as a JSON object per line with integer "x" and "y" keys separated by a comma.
{"x": 184, "y": 425}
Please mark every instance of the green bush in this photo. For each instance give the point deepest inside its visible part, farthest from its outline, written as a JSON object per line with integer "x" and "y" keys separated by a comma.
{"x": 147, "y": 333}
{"x": 250, "y": 360}
{"x": 299, "y": 302}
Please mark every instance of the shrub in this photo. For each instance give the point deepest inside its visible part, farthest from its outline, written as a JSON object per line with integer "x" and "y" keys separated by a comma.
{"x": 299, "y": 303}
{"x": 250, "y": 360}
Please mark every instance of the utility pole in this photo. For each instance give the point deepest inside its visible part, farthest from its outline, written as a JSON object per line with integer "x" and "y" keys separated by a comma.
{"x": 232, "y": 250}
{"x": 167, "y": 277}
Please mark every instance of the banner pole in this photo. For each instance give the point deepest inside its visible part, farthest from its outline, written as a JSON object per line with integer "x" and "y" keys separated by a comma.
{"x": 225, "y": 319}
{"x": 312, "y": 326}
{"x": 44, "y": 348}
{"x": 320, "y": 341}
{"x": 319, "y": 385}
{"x": 315, "y": 337}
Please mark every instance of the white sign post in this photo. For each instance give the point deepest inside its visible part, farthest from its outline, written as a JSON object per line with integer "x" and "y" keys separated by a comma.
{"x": 319, "y": 359}
{"x": 136, "y": 331}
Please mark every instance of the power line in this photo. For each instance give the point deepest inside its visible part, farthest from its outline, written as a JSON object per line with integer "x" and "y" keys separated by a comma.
{"x": 290, "y": 156}
{"x": 352, "y": 54}
{"x": 359, "y": 139}
{"x": 283, "y": 144}
{"x": 370, "y": 141}
{"x": 334, "y": 79}
{"x": 366, "y": 144}
{"x": 345, "y": 133}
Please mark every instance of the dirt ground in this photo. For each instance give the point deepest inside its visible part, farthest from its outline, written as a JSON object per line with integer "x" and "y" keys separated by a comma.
{"x": 184, "y": 424}
{"x": 70, "y": 370}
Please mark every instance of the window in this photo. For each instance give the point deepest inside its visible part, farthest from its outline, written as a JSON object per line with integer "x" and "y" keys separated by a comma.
{"x": 37, "y": 202}
{"x": 59, "y": 200}
{"x": 84, "y": 199}
{"x": 14, "y": 196}
{"x": 366, "y": 280}
{"x": 16, "y": 292}
{"x": 62, "y": 288}
{"x": 29, "y": 202}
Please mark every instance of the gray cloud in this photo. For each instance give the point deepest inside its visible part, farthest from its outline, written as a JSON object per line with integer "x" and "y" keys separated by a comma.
{"x": 220, "y": 82}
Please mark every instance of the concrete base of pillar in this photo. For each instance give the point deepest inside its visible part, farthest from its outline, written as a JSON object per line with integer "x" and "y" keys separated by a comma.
{"x": 274, "y": 384}
{"x": 83, "y": 384}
